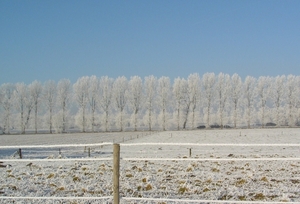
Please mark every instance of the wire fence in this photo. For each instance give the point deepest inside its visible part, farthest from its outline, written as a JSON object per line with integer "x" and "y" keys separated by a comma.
{"x": 124, "y": 198}
{"x": 161, "y": 200}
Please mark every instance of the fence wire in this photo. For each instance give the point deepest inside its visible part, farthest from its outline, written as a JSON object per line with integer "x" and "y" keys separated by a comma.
{"x": 124, "y": 199}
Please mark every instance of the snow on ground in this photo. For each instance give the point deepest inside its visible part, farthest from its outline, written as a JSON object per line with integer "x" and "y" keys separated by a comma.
{"x": 235, "y": 173}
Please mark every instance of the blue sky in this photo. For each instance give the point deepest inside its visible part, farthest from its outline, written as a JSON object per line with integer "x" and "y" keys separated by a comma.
{"x": 43, "y": 40}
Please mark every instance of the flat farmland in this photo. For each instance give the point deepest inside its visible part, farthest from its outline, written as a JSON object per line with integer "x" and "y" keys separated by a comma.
{"x": 256, "y": 165}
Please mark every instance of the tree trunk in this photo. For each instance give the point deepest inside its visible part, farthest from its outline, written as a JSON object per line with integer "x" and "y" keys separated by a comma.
{"x": 249, "y": 118}
{"x": 64, "y": 119}
{"x": 35, "y": 118}
{"x": 93, "y": 119}
{"x": 164, "y": 120}
{"x": 208, "y": 115}
{"x": 121, "y": 120}
{"x": 178, "y": 118}
{"x": 83, "y": 119}
{"x": 150, "y": 122}
{"x": 135, "y": 120}
{"x": 50, "y": 120}
{"x": 106, "y": 120}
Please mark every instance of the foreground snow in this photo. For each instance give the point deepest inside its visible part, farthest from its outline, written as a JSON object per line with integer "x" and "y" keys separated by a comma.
{"x": 235, "y": 173}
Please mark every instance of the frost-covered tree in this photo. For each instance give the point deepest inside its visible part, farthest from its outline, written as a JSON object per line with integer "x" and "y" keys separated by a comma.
{"x": 194, "y": 87}
{"x": 20, "y": 94}
{"x": 81, "y": 88}
{"x": 277, "y": 95}
{"x": 24, "y": 104}
{"x": 163, "y": 100}
{"x": 93, "y": 98}
{"x": 264, "y": 99}
{"x": 120, "y": 99}
{"x": 179, "y": 92}
{"x": 186, "y": 102}
{"x": 49, "y": 97}
{"x": 263, "y": 92}
{"x": 150, "y": 85}
{"x": 236, "y": 91}
{"x": 64, "y": 95}
{"x": 292, "y": 95}
{"x": 190, "y": 90}
{"x": 297, "y": 101}
{"x": 249, "y": 97}
{"x": 105, "y": 101}
{"x": 6, "y": 101}
{"x": 208, "y": 83}
{"x": 135, "y": 97}
{"x": 223, "y": 91}
{"x": 36, "y": 89}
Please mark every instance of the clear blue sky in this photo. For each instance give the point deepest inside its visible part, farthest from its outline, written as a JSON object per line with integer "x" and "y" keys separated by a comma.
{"x": 43, "y": 40}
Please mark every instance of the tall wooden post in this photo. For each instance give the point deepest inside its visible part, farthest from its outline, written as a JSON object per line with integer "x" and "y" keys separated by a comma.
{"x": 116, "y": 173}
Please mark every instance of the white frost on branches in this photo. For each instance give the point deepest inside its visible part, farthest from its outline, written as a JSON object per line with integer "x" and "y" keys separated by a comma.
{"x": 146, "y": 104}
{"x": 135, "y": 98}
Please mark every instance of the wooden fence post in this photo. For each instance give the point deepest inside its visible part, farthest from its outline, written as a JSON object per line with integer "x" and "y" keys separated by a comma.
{"x": 116, "y": 173}
{"x": 20, "y": 153}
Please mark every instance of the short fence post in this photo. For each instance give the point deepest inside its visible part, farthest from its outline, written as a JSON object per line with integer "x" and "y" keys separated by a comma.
{"x": 190, "y": 152}
{"x": 20, "y": 153}
{"x": 89, "y": 152}
{"x": 116, "y": 173}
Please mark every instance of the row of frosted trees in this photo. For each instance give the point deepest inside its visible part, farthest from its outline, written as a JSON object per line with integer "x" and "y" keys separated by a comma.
{"x": 106, "y": 104}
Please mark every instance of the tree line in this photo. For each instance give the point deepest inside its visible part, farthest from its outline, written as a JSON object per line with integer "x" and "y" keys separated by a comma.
{"x": 105, "y": 104}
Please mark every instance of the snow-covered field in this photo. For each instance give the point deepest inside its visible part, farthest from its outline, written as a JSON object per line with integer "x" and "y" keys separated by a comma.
{"x": 229, "y": 167}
